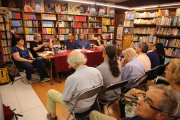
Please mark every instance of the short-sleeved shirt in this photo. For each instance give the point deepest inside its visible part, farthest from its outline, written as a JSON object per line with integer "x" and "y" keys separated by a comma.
{"x": 22, "y": 53}
{"x": 36, "y": 44}
{"x": 108, "y": 79}
{"x": 146, "y": 61}
{"x": 96, "y": 43}
{"x": 132, "y": 70}
{"x": 83, "y": 79}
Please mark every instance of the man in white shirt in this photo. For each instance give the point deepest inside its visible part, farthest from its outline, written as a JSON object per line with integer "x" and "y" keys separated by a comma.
{"x": 141, "y": 50}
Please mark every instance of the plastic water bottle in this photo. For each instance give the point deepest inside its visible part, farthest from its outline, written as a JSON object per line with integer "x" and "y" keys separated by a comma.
{"x": 65, "y": 48}
{"x": 53, "y": 51}
{"x": 83, "y": 48}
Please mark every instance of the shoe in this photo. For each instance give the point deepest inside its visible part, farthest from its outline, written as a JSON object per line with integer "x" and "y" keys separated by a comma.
{"x": 26, "y": 81}
{"x": 45, "y": 80}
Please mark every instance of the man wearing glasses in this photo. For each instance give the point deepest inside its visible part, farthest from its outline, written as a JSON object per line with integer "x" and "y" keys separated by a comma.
{"x": 158, "y": 103}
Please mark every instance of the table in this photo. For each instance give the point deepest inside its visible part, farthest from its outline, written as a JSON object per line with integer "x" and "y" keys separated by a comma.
{"x": 61, "y": 64}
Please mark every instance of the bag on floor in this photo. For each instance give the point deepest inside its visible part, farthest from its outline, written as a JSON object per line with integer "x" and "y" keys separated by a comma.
{"x": 4, "y": 76}
{"x": 9, "y": 114}
{"x": 11, "y": 68}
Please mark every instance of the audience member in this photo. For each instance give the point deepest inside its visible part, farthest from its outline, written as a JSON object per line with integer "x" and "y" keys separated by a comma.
{"x": 83, "y": 79}
{"x": 54, "y": 41}
{"x": 134, "y": 67}
{"x": 70, "y": 43}
{"x": 99, "y": 42}
{"x": 23, "y": 59}
{"x": 157, "y": 104}
{"x": 110, "y": 71}
{"x": 37, "y": 45}
{"x": 154, "y": 60}
{"x": 159, "y": 49}
{"x": 141, "y": 50}
{"x": 83, "y": 42}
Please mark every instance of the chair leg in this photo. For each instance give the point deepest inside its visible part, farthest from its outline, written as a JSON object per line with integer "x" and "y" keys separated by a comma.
{"x": 58, "y": 78}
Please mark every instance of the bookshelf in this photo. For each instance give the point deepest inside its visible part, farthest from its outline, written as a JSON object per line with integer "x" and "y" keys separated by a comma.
{"x": 159, "y": 25}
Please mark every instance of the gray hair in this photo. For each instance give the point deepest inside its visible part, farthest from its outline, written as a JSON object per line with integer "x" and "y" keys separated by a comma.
{"x": 168, "y": 103}
{"x": 144, "y": 46}
{"x": 36, "y": 35}
{"x": 131, "y": 52}
{"x": 75, "y": 58}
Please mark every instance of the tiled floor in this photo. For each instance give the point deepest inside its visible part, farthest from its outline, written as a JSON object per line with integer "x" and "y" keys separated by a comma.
{"x": 24, "y": 99}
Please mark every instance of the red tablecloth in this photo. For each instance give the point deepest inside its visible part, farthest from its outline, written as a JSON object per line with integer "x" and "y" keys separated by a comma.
{"x": 61, "y": 64}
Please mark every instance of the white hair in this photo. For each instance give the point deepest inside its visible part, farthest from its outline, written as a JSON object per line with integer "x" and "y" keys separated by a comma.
{"x": 131, "y": 52}
{"x": 75, "y": 58}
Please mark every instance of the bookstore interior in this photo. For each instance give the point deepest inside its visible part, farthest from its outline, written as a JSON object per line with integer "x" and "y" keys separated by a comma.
{"x": 121, "y": 26}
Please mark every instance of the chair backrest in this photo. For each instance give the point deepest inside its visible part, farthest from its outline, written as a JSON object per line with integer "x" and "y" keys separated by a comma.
{"x": 116, "y": 85}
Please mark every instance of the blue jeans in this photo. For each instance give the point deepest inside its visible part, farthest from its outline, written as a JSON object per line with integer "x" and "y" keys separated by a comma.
{"x": 29, "y": 67}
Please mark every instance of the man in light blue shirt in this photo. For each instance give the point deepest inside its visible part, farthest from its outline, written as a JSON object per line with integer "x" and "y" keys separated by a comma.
{"x": 83, "y": 42}
{"x": 134, "y": 67}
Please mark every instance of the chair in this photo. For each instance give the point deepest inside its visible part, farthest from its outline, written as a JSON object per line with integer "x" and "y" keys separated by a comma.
{"x": 113, "y": 87}
{"x": 84, "y": 95}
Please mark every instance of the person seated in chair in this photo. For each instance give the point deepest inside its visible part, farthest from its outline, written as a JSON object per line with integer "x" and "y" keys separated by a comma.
{"x": 23, "y": 59}
{"x": 83, "y": 79}
{"x": 54, "y": 41}
{"x": 83, "y": 42}
{"x": 99, "y": 42}
{"x": 158, "y": 103}
{"x": 111, "y": 72}
{"x": 70, "y": 43}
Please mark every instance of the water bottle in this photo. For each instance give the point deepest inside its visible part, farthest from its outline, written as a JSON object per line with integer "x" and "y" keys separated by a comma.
{"x": 53, "y": 51}
{"x": 65, "y": 48}
{"x": 83, "y": 48}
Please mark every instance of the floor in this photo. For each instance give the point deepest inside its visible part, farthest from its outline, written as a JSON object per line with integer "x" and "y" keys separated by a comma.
{"x": 24, "y": 99}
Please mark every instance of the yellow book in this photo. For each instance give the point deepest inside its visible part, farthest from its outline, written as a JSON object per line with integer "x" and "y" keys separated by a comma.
{"x": 26, "y": 30}
{"x": 160, "y": 13}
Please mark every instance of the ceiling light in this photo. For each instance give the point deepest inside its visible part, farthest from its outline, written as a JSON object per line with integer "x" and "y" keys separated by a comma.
{"x": 81, "y": 2}
{"x": 169, "y": 5}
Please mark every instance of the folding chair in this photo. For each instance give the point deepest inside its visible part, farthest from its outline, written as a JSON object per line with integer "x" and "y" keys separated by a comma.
{"x": 113, "y": 87}
{"x": 84, "y": 95}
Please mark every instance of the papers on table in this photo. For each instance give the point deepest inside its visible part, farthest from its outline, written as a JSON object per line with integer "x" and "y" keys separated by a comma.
{"x": 43, "y": 54}
{"x": 47, "y": 52}
{"x": 77, "y": 49}
{"x": 82, "y": 50}
{"x": 89, "y": 51}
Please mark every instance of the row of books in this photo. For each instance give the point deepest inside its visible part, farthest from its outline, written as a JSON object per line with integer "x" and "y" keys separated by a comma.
{"x": 6, "y": 58}
{"x": 92, "y": 37}
{"x": 64, "y": 30}
{"x": 3, "y": 35}
{"x": 29, "y": 37}
{"x": 142, "y": 21}
{"x": 78, "y": 31}
{"x": 95, "y": 25}
{"x": 92, "y": 31}
{"x": 6, "y": 50}
{"x": 1, "y": 18}
{"x": 173, "y": 52}
{"x": 66, "y": 17}
{"x": 147, "y": 30}
{"x": 108, "y": 29}
{"x": 168, "y": 21}
{"x": 63, "y": 37}
{"x": 163, "y": 12}
{"x": 169, "y": 42}
{"x": 77, "y": 37}
{"x": 29, "y": 16}
{"x": 92, "y": 19}
{"x": 32, "y": 23}
{"x": 2, "y": 27}
{"x": 127, "y": 30}
{"x": 18, "y": 29}
{"x": 31, "y": 30}
{"x": 108, "y": 21}
{"x": 49, "y": 31}
{"x": 66, "y": 24}
{"x": 47, "y": 37}
{"x": 108, "y": 36}
{"x": 128, "y": 23}
{"x": 16, "y": 23}
{"x": 167, "y": 31}
{"x": 49, "y": 24}
{"x": 80, "y": 24}
{"x": 178, "y": 12}
{"x": 145, "y": 14}
{"x": 80, "y": 18}
{"x": 15, "y": 15}
{"x": 150, "y": 38}
{"x": 48, "y": 17}
{"x": 5, "y": 43}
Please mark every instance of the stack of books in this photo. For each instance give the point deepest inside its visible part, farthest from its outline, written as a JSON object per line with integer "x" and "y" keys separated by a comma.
{"x": 168, "y": 21}
{"x": 78, "y": 31}
{"x": 31, "y": 30}
{"x": 32, "y": 23}
{"x": 142, "y": 21}
{"x": 66, "y": 17}
{"x": 66, "y": 24}
{"x": 167, "y": 31}
{"x": 49, "y": 24}
{"x": 48, "y": 17}
{"x": 16, "y": 22}
{"x": 49, "y": 30}
{"x": 29, "y": 16}
{"x": 15, "y": 15}
{"x": 150, "y": 38}
{"x": 146, "y": 14}
{"x": 147, "y": 30}
{"x": 80, "y": 18}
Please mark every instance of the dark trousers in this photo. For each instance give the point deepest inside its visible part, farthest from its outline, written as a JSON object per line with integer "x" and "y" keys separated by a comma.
{"x": 29, "y": 67}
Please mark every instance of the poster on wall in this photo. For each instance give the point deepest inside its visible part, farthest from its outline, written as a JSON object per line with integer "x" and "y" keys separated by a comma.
{"x": 12, "y": 3}
{"x": 110, "y": 11}
{"x": 119, "y": 45}
{"x": 120, "y": 21}
{"x": 49, "y": 6}
{"x": 39, "y": 5}
{"x": 28, "y": 6}
{"x": 74, "y": 8}
{"x": 119, "y": 32}
{"x": 64, "y": 8}
{"x": 94, "y": 10}
{"x": 85, "y": 9}
{"x": 102, "y": 10}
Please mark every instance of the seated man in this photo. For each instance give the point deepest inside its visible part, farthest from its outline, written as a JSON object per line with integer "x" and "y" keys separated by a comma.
{"x": 154, "y": 60}
{"x": 157, "y": 104}
{"x": 70, "y": 43}
{"x": 133, "y": 69}
{"x": 141, "y": 50}
{"x": 83, "y": 42}
{"x": 37, "y": 45}
{"x": 111, "y": 72}
{"x": 54, "y": 41}
{"x": 83, "y": 79}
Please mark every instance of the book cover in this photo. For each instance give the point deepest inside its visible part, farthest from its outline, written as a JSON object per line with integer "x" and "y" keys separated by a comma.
{"x": 94, "y": 10}
{"x": 39, "y": 5}
{"x": 28, "y": 6}
{"x": 102, "y": 10}
{"x": 74, "y": 8}
{"x": 85, "y": 9}
{"x": 110, "y": 11}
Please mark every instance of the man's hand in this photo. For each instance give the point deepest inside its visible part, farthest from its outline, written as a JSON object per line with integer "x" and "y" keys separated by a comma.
{"x": 30, "y": 61}
{"x": 45, "y": 44}
{"x": 33, "y": 58}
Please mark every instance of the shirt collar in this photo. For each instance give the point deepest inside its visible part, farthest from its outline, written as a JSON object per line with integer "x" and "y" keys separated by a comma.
{"x": 82, "y": 67}
{"x": 150, "y": 51}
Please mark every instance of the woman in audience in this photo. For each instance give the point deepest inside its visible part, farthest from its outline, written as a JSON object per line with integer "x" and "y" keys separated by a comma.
{"x": 23, "y": 59}
{"x": 99, "y": 42}
{"x": 111, "y": 72}
{"x": 159, "y": 49}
